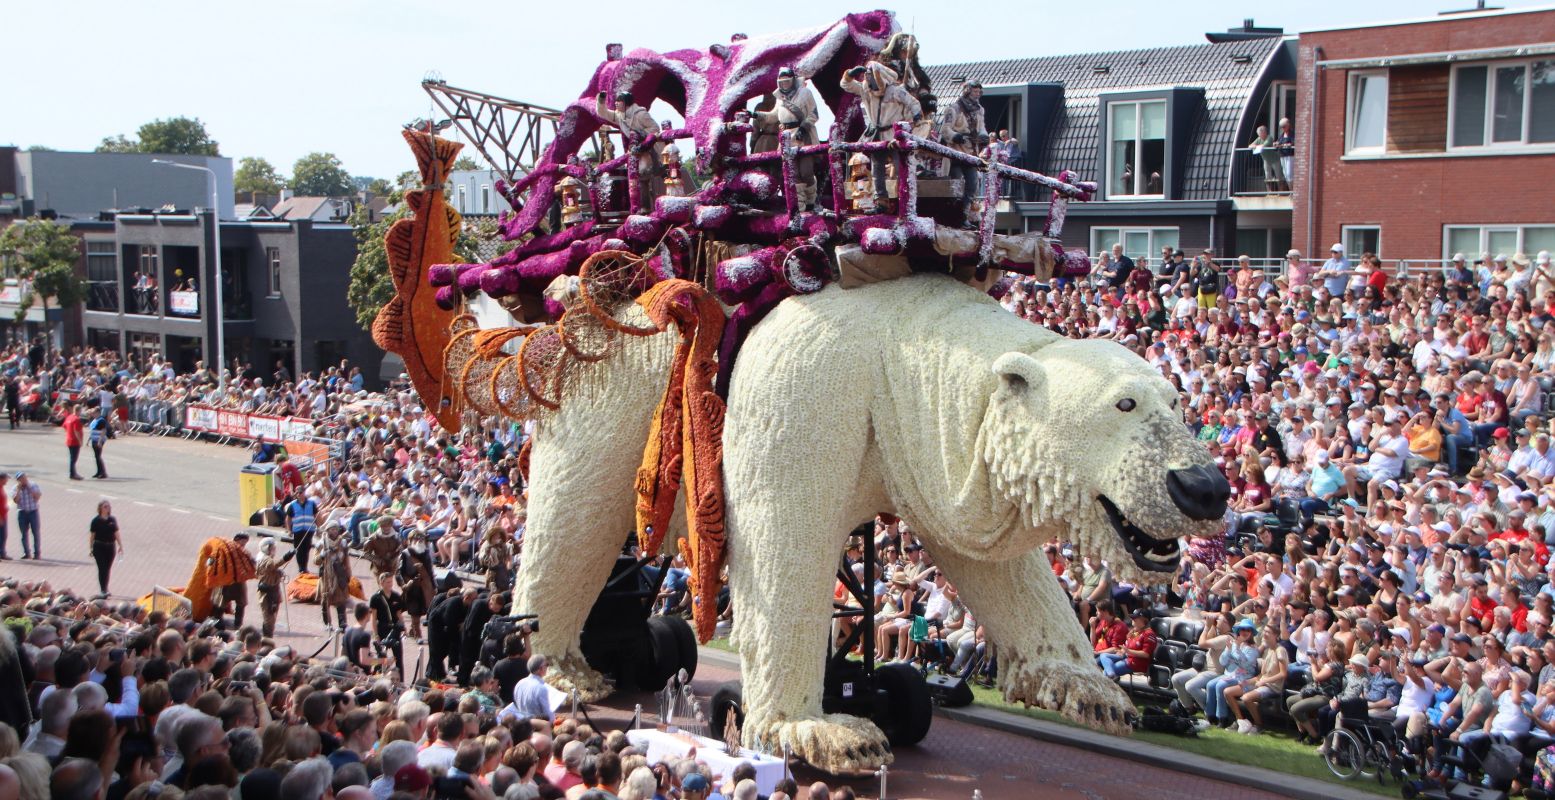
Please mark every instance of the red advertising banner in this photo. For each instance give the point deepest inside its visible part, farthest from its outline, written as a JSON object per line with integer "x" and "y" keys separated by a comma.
{"x": 243, "y": 425}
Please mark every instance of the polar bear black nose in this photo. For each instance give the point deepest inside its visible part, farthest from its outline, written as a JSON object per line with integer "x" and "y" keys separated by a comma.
{"x": 1201, "y": 492}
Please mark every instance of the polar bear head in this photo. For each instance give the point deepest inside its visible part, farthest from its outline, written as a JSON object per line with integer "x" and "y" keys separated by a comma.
{"x": 1086, "y": 441}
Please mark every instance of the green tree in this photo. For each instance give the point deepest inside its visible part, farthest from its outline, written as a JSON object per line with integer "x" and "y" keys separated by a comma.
{"x": 43, "y": 254}
{"x": 118, "y": 144}
{"x": 175, "y": 135}
{"x": 465, "y": 162}
{"x": 371, "y": 287}
{"x": 178, "y": 135}
{"x": 256, "y": 176}
{"x": 379, "y": 187}
{"x": 320, "y": 175}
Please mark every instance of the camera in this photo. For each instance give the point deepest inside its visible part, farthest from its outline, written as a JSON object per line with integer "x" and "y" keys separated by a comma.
{"x": 446, "y": 788}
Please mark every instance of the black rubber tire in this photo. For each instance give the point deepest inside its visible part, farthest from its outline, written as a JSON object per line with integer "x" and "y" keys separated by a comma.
{"x": 910, "y": 711}
{"x": 686, "y": 639}
{"x": 661, "y": 658}
{"x": 729, "y": 698}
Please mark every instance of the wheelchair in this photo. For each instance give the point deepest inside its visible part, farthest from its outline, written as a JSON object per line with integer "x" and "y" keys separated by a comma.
{"x": 1361, "y": 746}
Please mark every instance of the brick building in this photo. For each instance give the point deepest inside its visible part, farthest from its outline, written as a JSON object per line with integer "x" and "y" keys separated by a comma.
{"x": 1422, "y": 138}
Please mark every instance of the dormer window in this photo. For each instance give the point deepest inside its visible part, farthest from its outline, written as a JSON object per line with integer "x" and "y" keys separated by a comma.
{"x": 1136, "y": 163}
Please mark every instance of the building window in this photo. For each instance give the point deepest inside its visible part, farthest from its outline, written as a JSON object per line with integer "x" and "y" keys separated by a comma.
{"x": 1367, "y": 120}
{"x": 1358, "y": 239}
{"x": 460, "y": 192}
{"x": 485, "y": 199}
{"x": 102, "y": 276}
{"x": 1502, "y": 104}
{"x": 1141, "y": 244}
{"x": 273, "y": 260}
{"x": 1475, "y": 241}
{"x": 1136, "y": 160}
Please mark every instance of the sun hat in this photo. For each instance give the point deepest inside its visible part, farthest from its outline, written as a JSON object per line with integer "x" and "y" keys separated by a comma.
{"x": 1360, "y": 660}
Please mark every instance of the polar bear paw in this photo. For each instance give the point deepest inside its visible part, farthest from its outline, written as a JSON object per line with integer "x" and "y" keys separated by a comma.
{"x": 834, "y": 743}
{"x": 571, "y": 673}
{"x": 1080, "y": 693}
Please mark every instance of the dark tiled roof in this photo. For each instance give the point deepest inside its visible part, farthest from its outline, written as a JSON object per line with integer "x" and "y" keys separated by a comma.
{"x": 1070, "y": 142}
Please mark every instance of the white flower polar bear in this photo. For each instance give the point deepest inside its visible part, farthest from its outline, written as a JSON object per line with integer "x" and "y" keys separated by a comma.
{"x": 920, "y": 397}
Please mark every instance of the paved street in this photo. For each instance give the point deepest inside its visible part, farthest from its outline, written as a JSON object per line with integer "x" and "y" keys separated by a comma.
{"x": 170, "y": 495}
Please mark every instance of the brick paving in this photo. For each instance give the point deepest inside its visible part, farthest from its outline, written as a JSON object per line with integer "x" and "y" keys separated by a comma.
{"x": 170, "y": 495}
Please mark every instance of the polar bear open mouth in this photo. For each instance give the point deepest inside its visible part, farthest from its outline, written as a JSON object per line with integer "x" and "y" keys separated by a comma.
{"x": 1149, "y": 553}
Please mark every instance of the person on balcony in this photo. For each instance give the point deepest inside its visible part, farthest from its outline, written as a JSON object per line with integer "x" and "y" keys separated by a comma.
{"x": 1266, "y": 147}
{"x": 1287, "y": 146}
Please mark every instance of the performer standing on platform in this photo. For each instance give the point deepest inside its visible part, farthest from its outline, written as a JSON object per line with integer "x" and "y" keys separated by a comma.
{"x": 633, "y": 118}
{"x": 962, "y": 127}
{"x": 885, "y": 103}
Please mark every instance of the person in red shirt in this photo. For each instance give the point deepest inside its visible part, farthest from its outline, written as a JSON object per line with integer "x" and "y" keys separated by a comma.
{"x": 1481, "y": 607}
{"x": 1107, "y": 631}
{"x": 1138, "y": 647}
{"x": 73, "y": 437}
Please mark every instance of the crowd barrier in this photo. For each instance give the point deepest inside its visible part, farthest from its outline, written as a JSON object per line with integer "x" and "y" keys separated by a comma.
{"x": 226, "y": 425}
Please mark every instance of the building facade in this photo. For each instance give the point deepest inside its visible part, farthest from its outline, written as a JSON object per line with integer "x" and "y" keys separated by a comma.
{"x": 1165, "y": 133}
{"x": 1425, "y": 138}
{"x": 283, "y": 289}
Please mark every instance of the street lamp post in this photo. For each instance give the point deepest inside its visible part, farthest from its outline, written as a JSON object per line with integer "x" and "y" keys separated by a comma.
{"x": 221, "y": 352}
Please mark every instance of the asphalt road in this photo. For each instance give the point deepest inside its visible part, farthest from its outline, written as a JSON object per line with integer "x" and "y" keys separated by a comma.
{"x": 170, "y": 495}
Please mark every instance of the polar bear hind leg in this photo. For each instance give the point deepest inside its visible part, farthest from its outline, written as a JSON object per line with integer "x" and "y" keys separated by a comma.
{"x": 581, "y": 503}
{"x": 1044, "y": 657}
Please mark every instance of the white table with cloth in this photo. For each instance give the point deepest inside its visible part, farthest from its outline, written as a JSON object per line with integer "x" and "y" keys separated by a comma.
{"x": 663, "y": 746}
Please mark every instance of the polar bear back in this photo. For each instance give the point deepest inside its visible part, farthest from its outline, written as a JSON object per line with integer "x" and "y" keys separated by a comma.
{"x": 905, "y": 363}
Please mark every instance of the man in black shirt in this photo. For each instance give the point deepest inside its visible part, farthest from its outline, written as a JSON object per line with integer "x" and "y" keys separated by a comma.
{"x": 1122, "y": 267}
{"x": 474, "y": 630}
{"x": 512, "y": 668}
{"x": 358, "y": 639}
{"x": 1268, "y": 438}
{"x": 443, "y": 627}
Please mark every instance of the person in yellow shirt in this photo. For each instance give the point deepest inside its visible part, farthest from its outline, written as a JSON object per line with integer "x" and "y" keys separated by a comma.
{"x": 1425, "y": 439}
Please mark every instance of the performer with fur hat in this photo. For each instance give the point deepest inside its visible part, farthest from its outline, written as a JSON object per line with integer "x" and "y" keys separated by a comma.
{"x": 271, "y": 578}
{"x": 794, "y": 109}
{"x": 885, "y": 102}
{"x": 334, "y": 574}
{"x": 962, "y": 126}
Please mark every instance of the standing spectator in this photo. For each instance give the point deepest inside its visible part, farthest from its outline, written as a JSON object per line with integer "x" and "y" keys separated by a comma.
{"x": 73, "y": 435}
{"x": 99, "y": 431}
{"x": 104, "y": 542}
{"x": 13, "y": 400}
{"x": 302, "y": 521}
{"x": 26, "y": 495}
{"x": 1335, "y": 271}
{"x": 1287, "y": 145}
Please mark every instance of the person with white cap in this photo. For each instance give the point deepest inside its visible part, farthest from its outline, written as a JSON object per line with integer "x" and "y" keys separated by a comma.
{"x": 1335, "y": 272}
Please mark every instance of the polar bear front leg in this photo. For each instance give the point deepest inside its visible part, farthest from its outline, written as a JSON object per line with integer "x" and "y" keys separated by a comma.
{"x": 1044, "y": 657}
{"x": 783, "y": 571}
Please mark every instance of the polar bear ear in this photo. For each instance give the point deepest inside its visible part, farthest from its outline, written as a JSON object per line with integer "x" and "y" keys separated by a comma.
{"x": 1019, "y": 371}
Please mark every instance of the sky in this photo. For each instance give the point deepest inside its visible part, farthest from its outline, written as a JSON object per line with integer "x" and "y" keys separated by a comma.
{"x": 285, "y": 78}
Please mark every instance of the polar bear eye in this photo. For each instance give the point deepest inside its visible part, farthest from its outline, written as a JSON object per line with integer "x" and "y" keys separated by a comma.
{"x": 1126, "y": 404}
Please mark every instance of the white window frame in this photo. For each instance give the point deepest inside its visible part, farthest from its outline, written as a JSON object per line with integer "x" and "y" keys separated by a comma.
{"x": 1344, "y": 239}
{"x": 1490, "y": 107}
{"x": 1352, "y": 110}
{"x": 1153, "y": 251}
{"x": 485, "y": 198}
{"x": 1166, "y": 145}
{"x": 273, "y": 271}
{"x": 1522, "y": 237}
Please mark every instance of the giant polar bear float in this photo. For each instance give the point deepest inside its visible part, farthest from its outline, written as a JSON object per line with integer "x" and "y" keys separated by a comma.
{"x": 920, "y": 397}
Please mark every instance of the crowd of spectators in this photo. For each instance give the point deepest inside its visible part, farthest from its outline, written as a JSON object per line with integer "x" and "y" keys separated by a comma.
{"x": 1387, "y": 441}
{"x": 1386, "y": 437}
{"x": 105, "y": 700}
